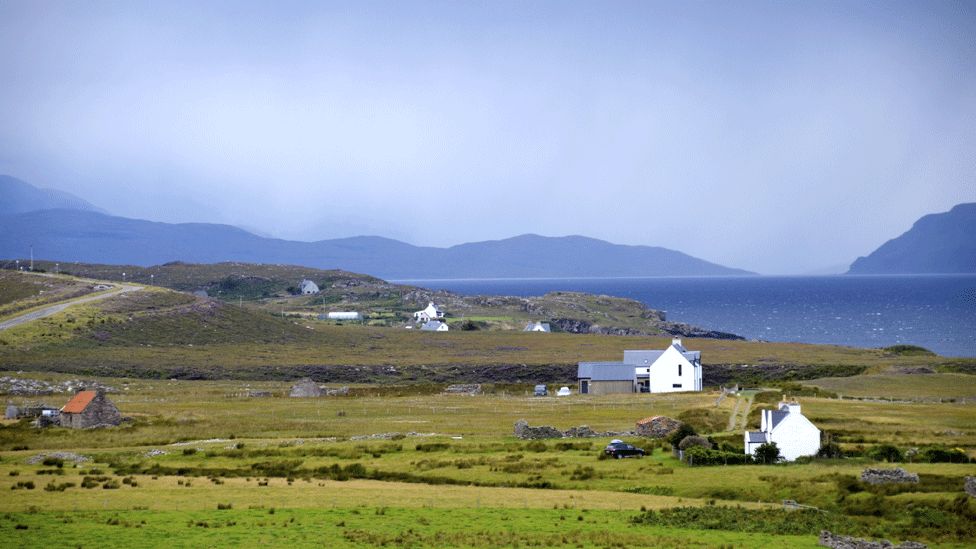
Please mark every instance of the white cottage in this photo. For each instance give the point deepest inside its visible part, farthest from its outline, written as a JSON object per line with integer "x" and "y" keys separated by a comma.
{"x": 428, "y": 314}
{"x": 308, "y": 287}
{"x": 435, "y": 326}
{"x": 537, "y": 327}
{"x": 792, "y": 432}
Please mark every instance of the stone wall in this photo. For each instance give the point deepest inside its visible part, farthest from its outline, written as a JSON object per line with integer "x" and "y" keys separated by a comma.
{"x": 305, "y": 388}
{"x": 837, "y": 541}
{"x": 657, "y": 426}
{"x": 887, "y": 476}
{"x": 970, "y": 486}
{"x": 525, "y": 432}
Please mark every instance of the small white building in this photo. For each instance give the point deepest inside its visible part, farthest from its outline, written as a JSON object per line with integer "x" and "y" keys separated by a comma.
{"x": 792, "y": 432}
{"x": 344, "y": 315}
{"x": 434, "y": 326}
{"x": 308, "y": 287}
{"x": 537, "y": 327}
{"x": 428, "y": 314}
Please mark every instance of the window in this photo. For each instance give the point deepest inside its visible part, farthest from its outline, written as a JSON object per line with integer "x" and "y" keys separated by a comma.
{"x": 679, "y": 370}
{"x": 676, "y": 386}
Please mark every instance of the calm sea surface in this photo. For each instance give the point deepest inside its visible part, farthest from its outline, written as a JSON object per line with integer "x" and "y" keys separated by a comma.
{"x": 935, "y": 311}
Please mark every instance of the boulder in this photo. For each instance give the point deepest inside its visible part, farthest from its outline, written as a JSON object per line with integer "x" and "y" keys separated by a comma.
{"x": 657, "y": 426}
{"x": 970, "y": 486}
{"x": 888, "y": 476}
{"x": 837, "y": 541}
{"x": 305, "y": 388}
{"x": 523, "y": 431}
{"x": 463, "y": 389}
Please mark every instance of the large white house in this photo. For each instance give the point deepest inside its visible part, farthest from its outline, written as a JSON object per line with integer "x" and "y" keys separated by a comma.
{"x": 308, "y": 287}
{"x": 672, "y": 370}
{"x": 428, "y": 314}
{"x": 792, "y": 432}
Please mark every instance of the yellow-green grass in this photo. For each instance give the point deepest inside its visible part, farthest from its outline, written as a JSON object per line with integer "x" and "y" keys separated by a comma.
{"x": 476, "y": 476}
{"x": 935, "y": 386}
{"x": 24, "y": 292}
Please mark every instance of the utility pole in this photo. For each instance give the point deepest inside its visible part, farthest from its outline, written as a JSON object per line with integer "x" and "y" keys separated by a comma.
{"x": 32, "y": 257}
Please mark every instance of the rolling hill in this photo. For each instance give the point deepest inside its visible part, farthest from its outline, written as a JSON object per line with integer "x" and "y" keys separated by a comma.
{"x": 936, "y": 243}
{"x": 18, "y": 196}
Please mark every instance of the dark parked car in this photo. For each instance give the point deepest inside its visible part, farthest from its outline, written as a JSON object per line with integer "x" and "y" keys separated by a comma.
{"x": 618, "y": 449}
{"x": 541, "y": 391}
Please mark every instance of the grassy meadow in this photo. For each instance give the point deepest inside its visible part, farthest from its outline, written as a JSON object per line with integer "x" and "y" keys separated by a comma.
{"x": 448, "y": 472}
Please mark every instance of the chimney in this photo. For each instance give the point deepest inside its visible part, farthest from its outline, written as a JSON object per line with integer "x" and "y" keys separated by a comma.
{"x": 762, "y": 421}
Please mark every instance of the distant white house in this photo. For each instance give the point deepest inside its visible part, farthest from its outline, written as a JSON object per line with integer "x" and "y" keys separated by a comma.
{"x": 792, "y": 432}
{"x": 672, "y": 370}
{"x": 344, "y": 315}
{"x": 434, "y": 326}
{"x": 537, "y": 327}
{"x": 308, "y": 287}
{"x": 428, "y": 314}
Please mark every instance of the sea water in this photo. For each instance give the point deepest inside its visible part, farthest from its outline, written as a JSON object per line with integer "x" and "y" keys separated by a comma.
{"x": 937, "y": 312}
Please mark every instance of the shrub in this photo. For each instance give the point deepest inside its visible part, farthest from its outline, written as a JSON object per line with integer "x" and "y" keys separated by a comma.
{"x": 431, "y": 446}
{"x": 886, "y": 452}
{"x": 680, "y": 433}
{"x": 699, "y": 455}
{"x": 830, "y": 451}
{"x": 940, "y": 454}
{"x": 767, "y": 453}
{"x": 189, "y": 451}
{"x": 693, "y": 441}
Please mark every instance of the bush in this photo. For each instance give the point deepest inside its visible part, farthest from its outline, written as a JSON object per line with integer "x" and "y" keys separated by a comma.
{"x": 830, "y": 451}
{"x": 767, "y": 453}
{"x": 699, "y": 456}
{"x": 940, "y": 454}
{"x": 886, "y": 452}
{"x": 693, "y": 441}
{"x": 680, "y": 433}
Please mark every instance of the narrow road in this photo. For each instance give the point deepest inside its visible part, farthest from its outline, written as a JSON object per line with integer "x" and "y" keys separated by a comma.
{"x": 58, "y": 307}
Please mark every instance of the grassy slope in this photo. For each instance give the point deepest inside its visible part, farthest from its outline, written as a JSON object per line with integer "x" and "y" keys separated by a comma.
{"x": 20, "y": 292}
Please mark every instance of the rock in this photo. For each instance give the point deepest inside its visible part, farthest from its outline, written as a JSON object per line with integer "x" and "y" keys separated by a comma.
{"x": 524, "y": 432}
{"x": 258, "y": 394}
{"x": 657, "y": 426}
{"x": 65, "y": 456}
{"x": 837, "y": 541}
{"x": 970, "y": 486}
{"x": 341, "y": 391}
{"x": 305, "y": 388}
{"x": 887, "y": 476}
{"x": 12, "y": 412}
{"x": 463, "y": 389}
{"x": 156, "y": 452}
{"x": 583, "y": 431}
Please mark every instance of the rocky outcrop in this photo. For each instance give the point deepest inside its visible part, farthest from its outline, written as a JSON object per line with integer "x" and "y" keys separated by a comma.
{"x": 657, "y": 426}
{"x": 888, "y": 476}
{"x": 686, "y": 330}
{"x": 837, "y": 541}
{"x": 35, "y": 387}
{"x": 970, "y": 486}
{"x": 305, "y": 388}
{"x": 525, "y": 432}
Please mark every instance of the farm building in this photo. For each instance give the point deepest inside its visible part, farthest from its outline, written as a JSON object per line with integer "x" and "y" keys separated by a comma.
{"x": 435, "y": 326}
{"x": 644, "y": 371}
{"x": 89, "y": 409}
{"x": 537, "y": 327}
{"x": 305, "y": 388}
{"x": 792, "y": 432}
{"x": 344, "y": 315}
{"x": 308, "y": 287}
{"x": 428, "y": 314}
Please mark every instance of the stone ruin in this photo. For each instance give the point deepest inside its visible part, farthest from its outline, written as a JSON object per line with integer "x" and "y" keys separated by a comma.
{"x": 657, "y": 426}
{"x": 305, "y": 388}
{"x": 970, "y": 486}
{"x": 887, "y": 476}
{"x": 341, "y": 391}
{"x": 837, "y": 541}
{"x": 525, "y": 432}
{"x": 463, "y": 389}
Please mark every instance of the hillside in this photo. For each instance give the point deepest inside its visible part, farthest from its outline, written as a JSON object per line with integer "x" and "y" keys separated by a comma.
{"x": 88, "y": 236}
{"x": 18, "y": 196}
{"x": 937, "y": 243}
{"x": 272, "y": 288}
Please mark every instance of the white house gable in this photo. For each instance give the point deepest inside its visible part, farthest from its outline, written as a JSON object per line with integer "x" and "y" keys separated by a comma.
{"x": 673, "y": 371}
{"x": 793, "y": 433}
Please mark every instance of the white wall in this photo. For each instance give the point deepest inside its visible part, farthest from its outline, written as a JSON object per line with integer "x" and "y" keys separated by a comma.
{"x": 664, "y": 373}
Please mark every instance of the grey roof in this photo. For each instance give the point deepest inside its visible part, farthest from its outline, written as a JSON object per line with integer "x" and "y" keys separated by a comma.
{"x": 431, "y": 326}
{"x": 756, "y": 437}
{"x": 776, "y": 416}
{"x": 646, "y": 358}
{"x": 606, "y": 371}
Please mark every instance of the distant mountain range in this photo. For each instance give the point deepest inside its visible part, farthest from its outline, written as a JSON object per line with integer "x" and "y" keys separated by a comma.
{"x": 73, "y": 230}
{"x": 936, "y": 243}
{"x": 18, "y": 196}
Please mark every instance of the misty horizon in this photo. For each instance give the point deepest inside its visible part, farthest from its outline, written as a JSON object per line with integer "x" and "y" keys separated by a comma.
{"x": 777, "y": 139}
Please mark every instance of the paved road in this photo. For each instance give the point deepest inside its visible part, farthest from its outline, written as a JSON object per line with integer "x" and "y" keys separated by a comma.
{"x": 57, "y": 308}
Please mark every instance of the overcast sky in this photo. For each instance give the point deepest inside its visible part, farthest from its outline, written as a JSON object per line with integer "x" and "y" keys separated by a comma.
{"x": 779, "y": 137}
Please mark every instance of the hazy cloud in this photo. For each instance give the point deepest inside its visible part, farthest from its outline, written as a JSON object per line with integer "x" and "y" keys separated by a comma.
{"x": 773, "y": 137}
